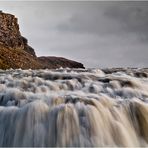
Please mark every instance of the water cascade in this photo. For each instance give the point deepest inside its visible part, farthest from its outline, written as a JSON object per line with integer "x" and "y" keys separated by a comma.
{"x": 74, "y": 107}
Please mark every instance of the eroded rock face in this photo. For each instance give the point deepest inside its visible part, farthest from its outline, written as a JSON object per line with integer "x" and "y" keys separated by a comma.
{"x": 28, "y": 48}
{"x": 10, "y": 35}
{"x": 16, "y": 53}
{"x": 9, "y": 31}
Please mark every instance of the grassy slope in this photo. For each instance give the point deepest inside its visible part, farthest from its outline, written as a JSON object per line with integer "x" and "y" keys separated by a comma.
{"x": 13, "y": 58}
{"x": 18, "y": 58}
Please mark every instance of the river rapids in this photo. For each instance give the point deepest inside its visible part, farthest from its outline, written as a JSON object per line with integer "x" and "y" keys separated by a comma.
{"x": 74, "y": 107}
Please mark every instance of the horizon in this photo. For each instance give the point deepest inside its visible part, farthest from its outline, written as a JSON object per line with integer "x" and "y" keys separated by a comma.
{"x": 98, "y": 34}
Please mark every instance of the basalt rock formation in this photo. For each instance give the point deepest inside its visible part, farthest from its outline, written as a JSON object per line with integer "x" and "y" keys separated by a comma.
{"x": 16, "y": 53}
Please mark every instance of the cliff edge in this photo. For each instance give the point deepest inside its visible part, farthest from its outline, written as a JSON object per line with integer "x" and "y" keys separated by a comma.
{"x": 16, "y": 53}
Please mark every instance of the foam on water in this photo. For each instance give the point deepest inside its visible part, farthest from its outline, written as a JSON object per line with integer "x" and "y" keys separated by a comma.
{"x": 73, "y": 107}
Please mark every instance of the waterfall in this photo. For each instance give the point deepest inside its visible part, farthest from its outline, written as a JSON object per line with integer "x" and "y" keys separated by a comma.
{"x": 74, "y": 107}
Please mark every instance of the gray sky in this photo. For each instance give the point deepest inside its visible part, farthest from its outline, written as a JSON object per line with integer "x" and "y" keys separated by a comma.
{"x": 98, "y": 34}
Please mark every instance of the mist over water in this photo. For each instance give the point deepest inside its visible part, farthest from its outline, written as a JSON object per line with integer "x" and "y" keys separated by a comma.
{"x": 74, "y": 107}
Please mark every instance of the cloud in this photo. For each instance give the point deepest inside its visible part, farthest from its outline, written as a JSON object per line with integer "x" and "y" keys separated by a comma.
{"x": 89, "y": 20}
{"x": 132, "y": 17}
{"x": 98, "y": 34}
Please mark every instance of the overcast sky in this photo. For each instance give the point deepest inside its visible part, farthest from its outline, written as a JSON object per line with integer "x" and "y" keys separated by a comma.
{"x": 98, "y": 34}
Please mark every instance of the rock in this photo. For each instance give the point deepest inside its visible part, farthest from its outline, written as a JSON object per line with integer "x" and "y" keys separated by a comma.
{"x": 10, "y": 35}
{"x": 28, "y": 48}
{"x": 16, "y": 53}
{"x": 57, "y": 62}
{"x": 9, "y": 31}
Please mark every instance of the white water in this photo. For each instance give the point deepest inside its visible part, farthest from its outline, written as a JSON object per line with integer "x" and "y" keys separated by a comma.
{"x": 68, "y": 107}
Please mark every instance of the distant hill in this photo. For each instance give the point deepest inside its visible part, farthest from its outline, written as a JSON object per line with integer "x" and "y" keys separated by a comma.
{"x": 16, "y": 53}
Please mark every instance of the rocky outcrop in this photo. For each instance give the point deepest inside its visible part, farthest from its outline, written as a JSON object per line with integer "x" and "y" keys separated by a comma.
{"x": 9, "y": 31}
{"x": 57, "y": 62}
{"x": 10, "y": 35}
{"x": 16, "y": 53}
{"x": 16, "y": 58}
{"x": 28, "y": 48}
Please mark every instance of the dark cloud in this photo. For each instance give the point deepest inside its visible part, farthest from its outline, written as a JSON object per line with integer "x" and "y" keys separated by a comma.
{"x": 98, "y": 34}
{"x": 132, "y": 18}
{"x": 89, "y": 20}
{"x": 112, "y": 18}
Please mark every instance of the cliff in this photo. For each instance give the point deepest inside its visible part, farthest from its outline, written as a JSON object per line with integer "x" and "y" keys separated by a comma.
{"x": 16, "y": 53}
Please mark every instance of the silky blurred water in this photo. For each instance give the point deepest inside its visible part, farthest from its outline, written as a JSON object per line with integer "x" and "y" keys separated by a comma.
{"x": 74, "y": 107}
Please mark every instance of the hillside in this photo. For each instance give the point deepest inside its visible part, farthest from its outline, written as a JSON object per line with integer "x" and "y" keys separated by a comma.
{"x": 57, "y": 62}
{"x": 16, "y": 53}
{"x": 16, "y": 58}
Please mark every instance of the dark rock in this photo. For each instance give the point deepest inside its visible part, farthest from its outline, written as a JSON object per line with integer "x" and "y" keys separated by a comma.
{"x": 16, "y": 53}
{"x": 28, "y": 48}
{"x": 57, "y": 62}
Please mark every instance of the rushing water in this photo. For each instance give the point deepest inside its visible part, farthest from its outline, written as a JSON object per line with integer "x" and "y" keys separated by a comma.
{"x": 74, "y": 107}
